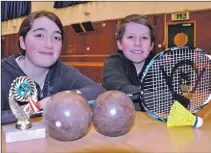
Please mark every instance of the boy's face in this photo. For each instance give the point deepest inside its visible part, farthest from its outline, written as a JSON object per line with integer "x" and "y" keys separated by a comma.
{"x": 136, "y": 42}
{"x": 43, "y": 43}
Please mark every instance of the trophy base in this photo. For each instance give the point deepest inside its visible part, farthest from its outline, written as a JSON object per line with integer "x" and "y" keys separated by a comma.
{"x": 12, "y": 134}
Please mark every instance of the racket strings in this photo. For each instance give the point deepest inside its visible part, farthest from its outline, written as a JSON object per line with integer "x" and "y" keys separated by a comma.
{"x": 183, "y": 68}
{"x": 203, "y": 87}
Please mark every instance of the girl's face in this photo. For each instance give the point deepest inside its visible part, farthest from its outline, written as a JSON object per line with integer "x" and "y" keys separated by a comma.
{"x": 42, "y": 43}
{"x": 136, "y": 42}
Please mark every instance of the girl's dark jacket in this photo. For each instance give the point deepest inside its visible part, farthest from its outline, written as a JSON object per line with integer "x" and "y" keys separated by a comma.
{"x": 60, "y": 77}
{"x": 119, "y": 73}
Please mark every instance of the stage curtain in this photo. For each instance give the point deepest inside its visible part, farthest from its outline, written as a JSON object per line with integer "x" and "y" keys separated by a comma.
{"x": 12, "y": 10}
{"x": 61, "y": 4}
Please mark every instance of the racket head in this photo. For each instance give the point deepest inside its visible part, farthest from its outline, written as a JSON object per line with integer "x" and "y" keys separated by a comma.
{"x": 178, "y": 72}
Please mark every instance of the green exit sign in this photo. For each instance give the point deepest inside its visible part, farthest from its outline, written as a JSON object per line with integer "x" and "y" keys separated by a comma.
{"x": 180, "y": 16}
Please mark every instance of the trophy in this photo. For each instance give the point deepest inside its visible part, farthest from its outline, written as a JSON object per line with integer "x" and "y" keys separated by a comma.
{"x": 23, "y": 90}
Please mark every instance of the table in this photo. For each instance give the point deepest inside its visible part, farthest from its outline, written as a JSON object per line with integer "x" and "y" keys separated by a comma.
{"x": 147, "y": 135}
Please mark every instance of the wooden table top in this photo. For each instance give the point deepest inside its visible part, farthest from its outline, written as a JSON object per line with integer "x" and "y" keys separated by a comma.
{"x": 147, "y": 135}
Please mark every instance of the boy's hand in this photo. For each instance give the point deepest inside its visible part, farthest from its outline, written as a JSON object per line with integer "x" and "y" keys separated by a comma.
{"x": 42, "y": 102}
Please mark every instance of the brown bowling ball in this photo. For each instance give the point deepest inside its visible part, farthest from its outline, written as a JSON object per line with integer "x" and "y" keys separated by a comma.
{"x": 67, "y": 116}
{"x": 113, "y": 113}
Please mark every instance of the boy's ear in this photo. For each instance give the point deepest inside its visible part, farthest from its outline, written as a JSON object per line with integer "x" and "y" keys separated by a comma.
{"x": 22, "y": 43}
{"x": 119, "y": 45}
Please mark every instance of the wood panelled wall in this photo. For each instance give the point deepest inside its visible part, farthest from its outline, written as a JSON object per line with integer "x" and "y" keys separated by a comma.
{"x": 203, "y": 24}
{"x": 9, "y": 45}
{"x": 102, "y": 42}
